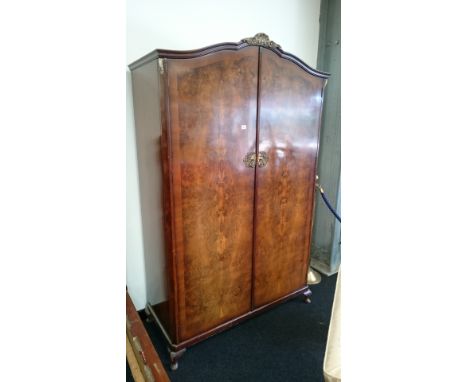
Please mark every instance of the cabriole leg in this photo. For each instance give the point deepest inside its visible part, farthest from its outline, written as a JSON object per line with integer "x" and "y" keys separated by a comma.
{"x": 175, "y": 355}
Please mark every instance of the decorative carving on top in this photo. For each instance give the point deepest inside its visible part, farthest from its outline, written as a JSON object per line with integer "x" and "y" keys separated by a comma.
{"x": 261, "y": 39}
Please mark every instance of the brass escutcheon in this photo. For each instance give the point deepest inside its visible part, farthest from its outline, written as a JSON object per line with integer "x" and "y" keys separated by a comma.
{"x": 249, "y": 159}
{"x": 262, "y": 159}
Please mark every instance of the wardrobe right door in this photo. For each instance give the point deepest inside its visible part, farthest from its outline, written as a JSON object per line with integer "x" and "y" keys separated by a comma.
{"x": 289, "y": 107}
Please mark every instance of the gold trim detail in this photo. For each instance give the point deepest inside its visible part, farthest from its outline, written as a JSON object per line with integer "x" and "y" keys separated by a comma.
{"x": 261, "y": 39}
{"x": 250, "y": 159}
{"x": 262, "y": 159}
{"x": 161, "y": 62}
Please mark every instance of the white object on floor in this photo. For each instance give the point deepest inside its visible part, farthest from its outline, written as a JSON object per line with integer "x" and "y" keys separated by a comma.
{"x": 332, "y": 361}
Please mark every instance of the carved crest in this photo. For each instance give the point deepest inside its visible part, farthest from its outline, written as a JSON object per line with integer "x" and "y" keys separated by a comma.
{"x": 261, "y": 39}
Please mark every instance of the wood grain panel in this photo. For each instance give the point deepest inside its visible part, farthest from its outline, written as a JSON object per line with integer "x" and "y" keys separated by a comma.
{"x": 210, "y": 99}
{"x": 289, "y": 118}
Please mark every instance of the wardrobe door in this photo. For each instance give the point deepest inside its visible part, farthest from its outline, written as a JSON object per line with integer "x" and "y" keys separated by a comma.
{"x": 211, "y": 126}
{"x": 290, "y": 103}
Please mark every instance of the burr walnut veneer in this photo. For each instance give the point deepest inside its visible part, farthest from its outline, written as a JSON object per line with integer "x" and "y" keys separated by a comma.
{"x": 227, "y": 140}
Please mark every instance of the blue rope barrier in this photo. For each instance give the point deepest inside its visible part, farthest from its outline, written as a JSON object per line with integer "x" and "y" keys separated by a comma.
{"x": 338, "y": 217}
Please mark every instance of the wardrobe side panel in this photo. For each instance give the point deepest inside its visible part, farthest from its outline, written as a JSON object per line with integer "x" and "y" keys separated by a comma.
{"x": 289, "y": 121}
{"x": 146, "y": 102}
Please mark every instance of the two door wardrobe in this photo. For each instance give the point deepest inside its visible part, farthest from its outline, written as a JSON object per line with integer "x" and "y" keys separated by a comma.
{"x": 227, "y": 143}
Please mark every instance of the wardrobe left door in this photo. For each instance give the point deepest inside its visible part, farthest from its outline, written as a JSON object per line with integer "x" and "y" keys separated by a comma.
{"x": 211, "y": 126}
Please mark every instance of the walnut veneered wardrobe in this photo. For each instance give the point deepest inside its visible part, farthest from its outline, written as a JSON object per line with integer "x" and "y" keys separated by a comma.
{"x": 233, "y": 131}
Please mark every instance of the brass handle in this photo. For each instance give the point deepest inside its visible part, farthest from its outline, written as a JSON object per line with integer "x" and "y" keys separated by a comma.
{"x": 262, "y": 159}
{"x": 249, "y": 159}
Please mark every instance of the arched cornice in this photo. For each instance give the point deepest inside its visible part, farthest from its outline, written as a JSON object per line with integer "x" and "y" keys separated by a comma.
{"x": 260, "y": 39}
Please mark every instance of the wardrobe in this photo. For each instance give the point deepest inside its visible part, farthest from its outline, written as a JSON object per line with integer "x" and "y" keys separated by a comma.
{"x": 227, "y": 145}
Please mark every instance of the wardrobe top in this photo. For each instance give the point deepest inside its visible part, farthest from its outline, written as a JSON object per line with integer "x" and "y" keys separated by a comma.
{"x": 260, "y": 39}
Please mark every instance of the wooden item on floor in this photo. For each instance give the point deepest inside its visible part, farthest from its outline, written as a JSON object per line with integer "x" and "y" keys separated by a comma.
{"x": 227, "y": 141}
{"x": 143, "y": 359}
{"x": 133, "y": 363}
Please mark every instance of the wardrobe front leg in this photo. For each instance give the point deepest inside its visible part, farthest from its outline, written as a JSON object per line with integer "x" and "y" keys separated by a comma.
{"x": 175, "y": 355}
